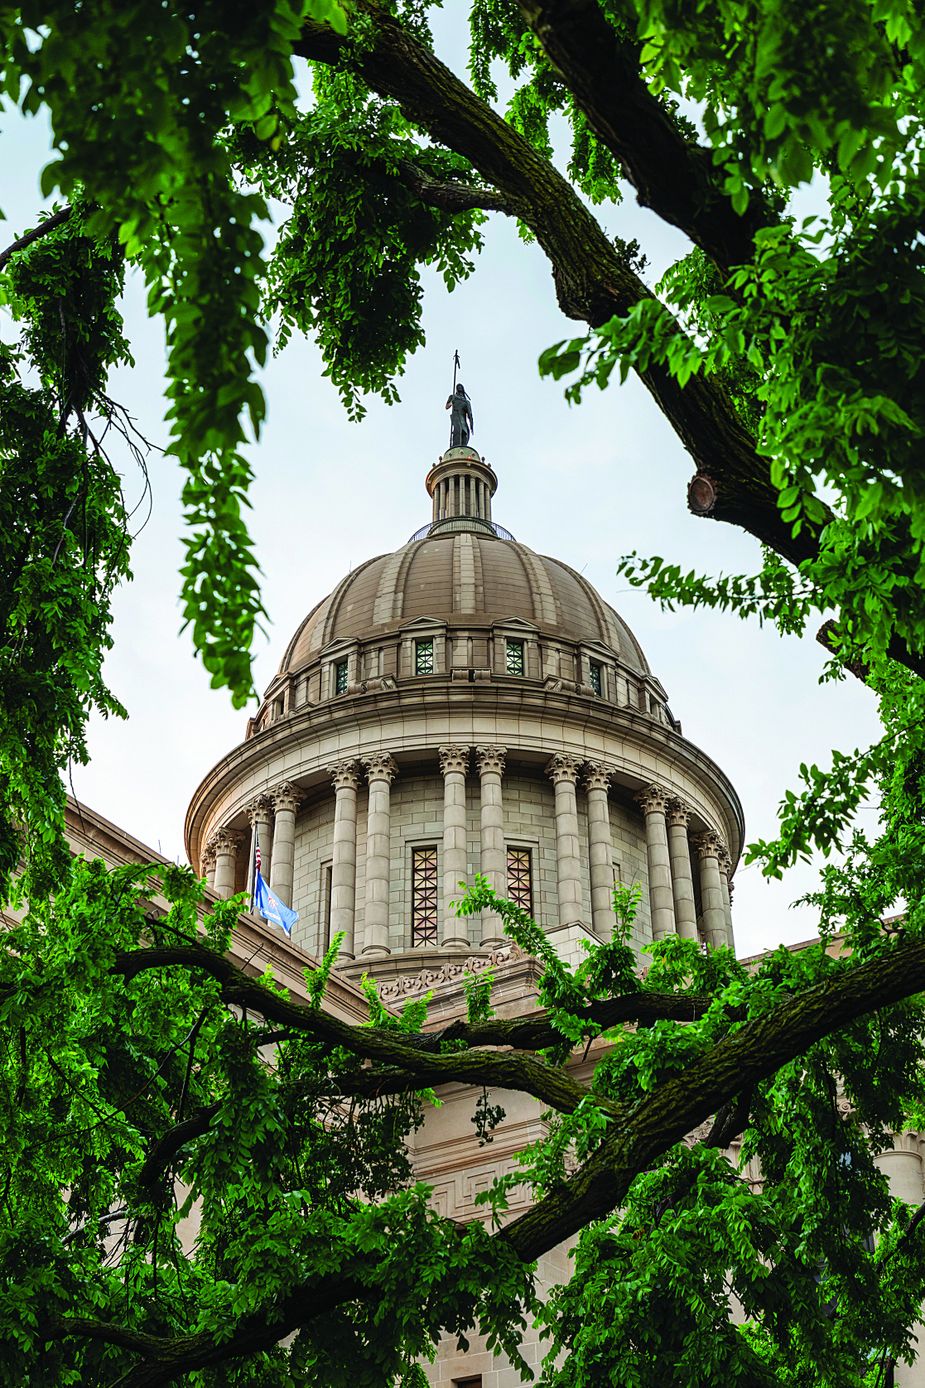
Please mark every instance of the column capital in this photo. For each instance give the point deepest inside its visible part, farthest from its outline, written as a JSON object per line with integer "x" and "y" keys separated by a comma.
{"x": 708, "y": 844}
{"x": 653, "y": 800}
{"x": 679, "y": 815}
{"x": 725, "y": 861}
{"x": 224, "y": 841}
{"x": 259, "y": 808}
{"x": 380, "y": 766}
{"x": 562, "y": 767}
{"x": 489, "y": 759}
{"x": 345, "y": 775}
{"x": 595, "y": 775}
{"x": 207, "y": 857}
{"x": 286, "y": 796}
{"x": 454, "y": 758}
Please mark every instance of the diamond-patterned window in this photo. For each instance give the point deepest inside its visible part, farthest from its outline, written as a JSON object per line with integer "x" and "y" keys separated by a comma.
{"x": 515, "y": 657}
{"x": 423, "y": 657}
{"x": 424, "y": 896}
{"x": 340, "y": 677}
{"x": 520, "y": 878}
{"x": 597, "y": 678}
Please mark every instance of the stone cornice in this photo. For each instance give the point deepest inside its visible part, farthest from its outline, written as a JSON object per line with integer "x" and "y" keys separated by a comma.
{"x": 360, "y": 719}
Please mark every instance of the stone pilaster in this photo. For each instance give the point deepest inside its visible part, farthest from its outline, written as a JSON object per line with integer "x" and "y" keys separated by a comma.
{"x": 226, "y": 842}
{"x": 562, "y": 770}
{"x": 493, "y": 859}
{"x": 260, "y": 814}
{"x": 682, "y": 877}
{"x": 654, "y": 804}
{"x": 708, "y": 847}
{"x": 286, "y": 799}
{"x": 346, "y": 778}
{"x": 381, "y": 771}
{"x": 454, "y": 764}
{"x": 725, "y": 874}
{"x": 207, "y": 863}
{"x": 596, "y": 779}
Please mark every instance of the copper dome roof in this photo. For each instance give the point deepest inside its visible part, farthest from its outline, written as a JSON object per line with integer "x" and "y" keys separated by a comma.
{"x": 464, "y": 578}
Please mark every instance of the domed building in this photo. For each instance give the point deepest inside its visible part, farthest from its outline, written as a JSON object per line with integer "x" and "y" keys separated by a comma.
{"x": 466, "y": 705}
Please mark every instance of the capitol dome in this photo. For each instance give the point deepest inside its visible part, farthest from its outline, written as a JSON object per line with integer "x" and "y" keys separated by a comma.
{"x": 466, "y": 705}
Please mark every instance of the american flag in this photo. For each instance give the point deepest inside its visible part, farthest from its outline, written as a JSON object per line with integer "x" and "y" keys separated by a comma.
{"x": 257, "y": 856}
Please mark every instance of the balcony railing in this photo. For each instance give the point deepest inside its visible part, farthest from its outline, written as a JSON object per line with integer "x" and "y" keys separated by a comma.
{"x": 450, "y": 524}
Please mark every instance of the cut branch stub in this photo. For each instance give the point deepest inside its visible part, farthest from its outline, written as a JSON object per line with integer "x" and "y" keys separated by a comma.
{"x": 702, "y": 491}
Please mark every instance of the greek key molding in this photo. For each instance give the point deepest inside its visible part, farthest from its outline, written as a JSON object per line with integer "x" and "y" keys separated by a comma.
{"x": 380, "y": 766}
{"x": 454, "y": 758}
{"x": 562, "y": 767}
{"x": 345, "y": 775}
{"x": 653, "y": 800}
{"x": 595, "y": 775}
{"x": 490, "y": 759}
{"x": 286, "y": 796}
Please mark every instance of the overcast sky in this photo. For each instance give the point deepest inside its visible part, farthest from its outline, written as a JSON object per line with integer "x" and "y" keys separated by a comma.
{"x": 585, "y": 484}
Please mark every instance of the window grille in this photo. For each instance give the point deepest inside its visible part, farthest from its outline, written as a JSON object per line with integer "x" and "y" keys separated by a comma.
{"x": 597, "y": 679}
{"x": 520, "y": 878}
{"x": 340, "y": 677}
{"x": 424, "y": 896}
{"x": 423, "y": 657}
{"x": 515, "y": 657}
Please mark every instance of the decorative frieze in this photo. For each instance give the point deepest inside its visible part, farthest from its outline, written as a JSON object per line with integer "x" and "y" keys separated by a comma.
{"x": 449, "y": 973}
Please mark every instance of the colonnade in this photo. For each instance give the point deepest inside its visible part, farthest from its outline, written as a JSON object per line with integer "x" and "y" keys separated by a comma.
{"x": 672, "y": 896}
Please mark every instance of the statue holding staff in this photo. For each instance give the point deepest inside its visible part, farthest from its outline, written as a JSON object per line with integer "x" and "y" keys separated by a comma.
{"x": 461, "y": 424}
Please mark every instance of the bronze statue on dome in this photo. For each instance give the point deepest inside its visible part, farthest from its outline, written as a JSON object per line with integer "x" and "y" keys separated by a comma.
{"x": 461, "y": 424}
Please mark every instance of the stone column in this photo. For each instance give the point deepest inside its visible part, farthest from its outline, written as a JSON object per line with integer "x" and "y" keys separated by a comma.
{"x": 207, "y": 863}
{"x": 260, "y": 814}
{"x": 454, "y": 763}
{"x": 286, "y": 799}
{"x": 381, "y": 771}
{"x": 562, "y": 770}
{"x": 725, "y": 874}
{"x": 493, "y": 860}
{"x": 711, "y": 890}
{"x": 901, "y": 1164}
{"x": 654, "y": 802}
{"x": 596, "y": 779}
{"x": 225, "y": 842}
{"x": 682, "y": 877}
{"x": 346, "y": 778}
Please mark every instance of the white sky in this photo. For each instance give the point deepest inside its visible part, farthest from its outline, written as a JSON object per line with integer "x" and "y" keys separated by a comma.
{"x": 585, "y": 484}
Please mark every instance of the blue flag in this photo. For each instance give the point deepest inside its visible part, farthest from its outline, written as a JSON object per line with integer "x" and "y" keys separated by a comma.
{"x": 268, "y": 905}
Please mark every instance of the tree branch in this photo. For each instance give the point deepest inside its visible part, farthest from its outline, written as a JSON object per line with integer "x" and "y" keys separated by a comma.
{"x": 735, "y": 1065}
{"x": 55, "y": 220}
{"x": 451, "y": 197}
{"x": 673, "y": 176}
